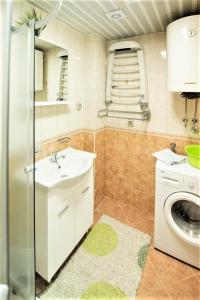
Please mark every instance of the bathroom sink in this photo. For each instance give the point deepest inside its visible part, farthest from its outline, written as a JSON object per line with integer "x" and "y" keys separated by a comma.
{"x": 72, "y": 165}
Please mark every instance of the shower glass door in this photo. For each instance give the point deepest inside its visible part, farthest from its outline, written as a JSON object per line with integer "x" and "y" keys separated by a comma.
{"x": 21, "y": 163}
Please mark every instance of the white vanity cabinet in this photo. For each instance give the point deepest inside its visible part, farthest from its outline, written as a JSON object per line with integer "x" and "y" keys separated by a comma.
{"x": 84, "y": 208}
{"x": 60, "y": 242}
{"x": 63, "y": 215}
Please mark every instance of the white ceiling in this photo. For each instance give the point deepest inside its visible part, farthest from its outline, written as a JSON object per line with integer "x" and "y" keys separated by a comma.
{"x": 143, "y": 16}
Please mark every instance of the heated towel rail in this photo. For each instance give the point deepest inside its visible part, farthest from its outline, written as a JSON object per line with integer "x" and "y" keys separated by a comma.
{"x": 126, "y": 83}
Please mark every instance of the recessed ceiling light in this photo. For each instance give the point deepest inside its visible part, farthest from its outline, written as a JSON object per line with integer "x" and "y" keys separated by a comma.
{"x": 116, "y": 15}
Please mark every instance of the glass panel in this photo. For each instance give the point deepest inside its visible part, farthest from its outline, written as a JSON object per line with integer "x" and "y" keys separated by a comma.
{"x": 186, "y": 215}
{"x": 21, "y": 178}
{"x": 5, "y": 21}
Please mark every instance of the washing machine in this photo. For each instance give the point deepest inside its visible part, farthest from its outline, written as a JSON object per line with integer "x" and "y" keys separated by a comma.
{"x": 177, "y": 212}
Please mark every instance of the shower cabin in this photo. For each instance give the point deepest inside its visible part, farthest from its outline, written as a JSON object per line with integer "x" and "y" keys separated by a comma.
{"x": 17, "y": 253}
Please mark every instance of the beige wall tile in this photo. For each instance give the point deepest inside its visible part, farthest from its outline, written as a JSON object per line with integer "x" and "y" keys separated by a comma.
{"x": 151, "y": 204}
{"x": 130, "y": 166}
{"x": 140, "y": 181}
{"x": 88, "y": 141}
{"x": 151, "y": 184}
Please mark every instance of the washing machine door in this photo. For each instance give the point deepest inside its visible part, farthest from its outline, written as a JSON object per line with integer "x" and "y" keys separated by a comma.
{"x": 182, "y": 212}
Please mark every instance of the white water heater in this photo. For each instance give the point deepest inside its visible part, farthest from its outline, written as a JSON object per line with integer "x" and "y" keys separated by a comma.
{"x": 183, "y": 55}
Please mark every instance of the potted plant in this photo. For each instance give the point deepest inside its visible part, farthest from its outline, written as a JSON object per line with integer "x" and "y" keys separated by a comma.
{"x": 30, "y": 15}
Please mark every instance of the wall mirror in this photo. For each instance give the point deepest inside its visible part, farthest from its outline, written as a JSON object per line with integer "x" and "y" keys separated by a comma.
{"x": 51, "y": 73}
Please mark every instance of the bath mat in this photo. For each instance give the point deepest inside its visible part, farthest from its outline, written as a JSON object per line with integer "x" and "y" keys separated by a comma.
{"x": 107, "y": 266}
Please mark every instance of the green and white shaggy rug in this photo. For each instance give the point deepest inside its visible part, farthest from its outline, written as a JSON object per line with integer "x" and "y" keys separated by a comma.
{"x": 107, "y": 266}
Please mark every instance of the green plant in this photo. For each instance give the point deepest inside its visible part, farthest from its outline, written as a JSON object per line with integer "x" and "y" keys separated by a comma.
{"x": 30, "y": 15}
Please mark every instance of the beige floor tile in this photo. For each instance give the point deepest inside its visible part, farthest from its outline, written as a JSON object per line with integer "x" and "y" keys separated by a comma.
{"x": 187, "y": 289}
{"x": 160, "y": 294}
{"x": 149, "y": 281}
{"x": 169, "y": 270}
{"x": 146, "y": 226}
{"x": 198, "y": 276}
{"x": 114, "y": 212}
{"x": 96, "y": 216}
{"x": 108, "y": 202}
{"x": 135, "y": 215}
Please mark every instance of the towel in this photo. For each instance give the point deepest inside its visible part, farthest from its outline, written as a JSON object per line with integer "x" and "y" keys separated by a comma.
{"x": 170, "y": 158}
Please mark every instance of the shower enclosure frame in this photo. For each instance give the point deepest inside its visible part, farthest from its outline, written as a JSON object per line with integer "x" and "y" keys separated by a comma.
{"x": 6, "y": 13}
{"x": 21, "y": 235}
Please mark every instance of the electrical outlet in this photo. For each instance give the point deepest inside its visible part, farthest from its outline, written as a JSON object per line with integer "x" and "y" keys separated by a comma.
{"x": 130, "y": 123}
{"x": 78, "y": 106}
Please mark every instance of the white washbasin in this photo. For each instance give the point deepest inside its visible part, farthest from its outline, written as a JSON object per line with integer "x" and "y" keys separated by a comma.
{"x": 75, "y": 164}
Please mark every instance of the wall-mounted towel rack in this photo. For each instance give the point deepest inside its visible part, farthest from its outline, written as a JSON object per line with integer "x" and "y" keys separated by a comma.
{"x": 126, "y": 82}
{"x": 142, "y": 115}
{"x": 63, "y": 85}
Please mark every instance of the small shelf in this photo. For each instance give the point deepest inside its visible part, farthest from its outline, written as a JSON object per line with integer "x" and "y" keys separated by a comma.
{"x": 51, "y": 103}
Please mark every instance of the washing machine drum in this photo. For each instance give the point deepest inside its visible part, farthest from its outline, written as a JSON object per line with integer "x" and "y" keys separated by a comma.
{"x": 182, "y": 212}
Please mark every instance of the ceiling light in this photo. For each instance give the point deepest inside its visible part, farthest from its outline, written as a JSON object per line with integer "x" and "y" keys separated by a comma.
{"x": 116, "y": 15}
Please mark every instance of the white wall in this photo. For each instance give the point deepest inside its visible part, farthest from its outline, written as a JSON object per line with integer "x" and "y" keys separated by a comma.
{"x": 94, "y": 80}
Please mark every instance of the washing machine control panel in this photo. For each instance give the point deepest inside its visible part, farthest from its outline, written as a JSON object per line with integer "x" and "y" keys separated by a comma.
{"x": 182, "y": 177}
{"x": 168, "y": 178}
{"x": 192, "y": 184}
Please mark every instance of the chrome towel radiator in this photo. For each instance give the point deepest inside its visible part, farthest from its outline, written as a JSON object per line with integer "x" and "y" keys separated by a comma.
{"x": 126, "y": 90}
{"x": 63, "y": 85}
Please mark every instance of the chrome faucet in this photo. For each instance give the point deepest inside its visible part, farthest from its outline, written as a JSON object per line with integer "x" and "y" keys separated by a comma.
{"x": 55, "y": 158}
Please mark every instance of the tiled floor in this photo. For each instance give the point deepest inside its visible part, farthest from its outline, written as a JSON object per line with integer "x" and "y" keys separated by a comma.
{"x": 163, "y": 277}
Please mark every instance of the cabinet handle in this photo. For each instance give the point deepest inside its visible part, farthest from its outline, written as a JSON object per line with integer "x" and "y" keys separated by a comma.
{"x": 85, "y": 190}
{"x": 29, "y": 169}
{"x": 62, "y": 211}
